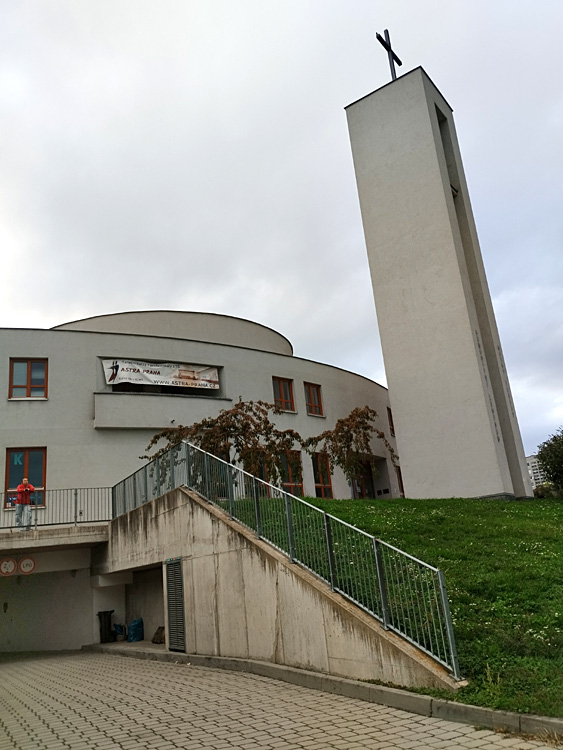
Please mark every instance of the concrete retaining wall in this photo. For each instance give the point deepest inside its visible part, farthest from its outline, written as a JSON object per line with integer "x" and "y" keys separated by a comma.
{"x": 244, "y": 599}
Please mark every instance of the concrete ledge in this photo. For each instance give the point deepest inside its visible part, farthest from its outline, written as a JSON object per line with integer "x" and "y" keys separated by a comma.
{"x": 531, "y": 724}
{"x": 302, "y": 677}
{"x": 53, "y": 537}
{"x": 462, "y": 713}
{"x": 385, "y": 696}
{"x": 506, "y": 721}
{"x": 395, "y": 698}
{"x": 424, "y": 705}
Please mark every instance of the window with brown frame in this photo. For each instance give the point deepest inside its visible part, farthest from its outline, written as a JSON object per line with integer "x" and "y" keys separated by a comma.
{"x": 313, "y": 399}
{"x": 321, "y": 472}
{"x": 292, "y": 478}
{"x": 363, "y": 485}
{"x": 390, "y": 419}
{"x": 25, "y": 462}
{"x": 283, "y": 394}
{"x": 28, "y": 378}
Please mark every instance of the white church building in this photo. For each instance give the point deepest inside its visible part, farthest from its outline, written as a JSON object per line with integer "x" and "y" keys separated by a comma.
{"x": 83, "y": 399}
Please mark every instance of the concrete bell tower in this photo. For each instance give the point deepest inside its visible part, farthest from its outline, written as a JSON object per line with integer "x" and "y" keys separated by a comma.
{"x": 456, "y": 427}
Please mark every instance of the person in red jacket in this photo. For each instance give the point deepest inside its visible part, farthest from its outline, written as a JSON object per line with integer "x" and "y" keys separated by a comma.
{"x": 23, "y": 505}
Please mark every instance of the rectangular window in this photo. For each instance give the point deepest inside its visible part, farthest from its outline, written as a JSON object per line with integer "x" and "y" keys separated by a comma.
{"x": 292, "y": 478}
{"x": 321, "y": 471}
{"x": 28, "y": 378}
{"x": 400, "y": 480}
{"x": 25, "y": 462}
{"x": 283, "y": 394}
{"x": 362, "y": 485}
{"x": 313, "y": 399}
{"x": 390, "y": 419}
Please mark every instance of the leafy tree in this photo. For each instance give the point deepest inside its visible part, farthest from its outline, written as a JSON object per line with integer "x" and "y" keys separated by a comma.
{"x": 246, "y": 431}
{"x": 246, "y": 435}
{"x": 550, "y": 456}
{"x": 348, "y": 444}
{"x": 544, "y": 490}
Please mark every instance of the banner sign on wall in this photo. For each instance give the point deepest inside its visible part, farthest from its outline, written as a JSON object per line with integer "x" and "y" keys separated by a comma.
{"x": 153, "y": 373}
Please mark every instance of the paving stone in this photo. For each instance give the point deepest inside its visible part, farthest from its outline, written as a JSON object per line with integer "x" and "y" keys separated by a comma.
{"x": 93, "y": 701}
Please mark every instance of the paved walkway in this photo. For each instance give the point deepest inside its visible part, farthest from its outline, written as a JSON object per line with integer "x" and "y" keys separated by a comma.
{"x": 110, "y": 702}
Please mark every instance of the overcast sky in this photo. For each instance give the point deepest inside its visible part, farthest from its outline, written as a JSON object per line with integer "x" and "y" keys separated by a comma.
{"x": 194, "y": 155}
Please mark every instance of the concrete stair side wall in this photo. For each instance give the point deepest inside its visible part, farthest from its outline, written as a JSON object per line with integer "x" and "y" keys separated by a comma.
{"x": 244, "y": 599}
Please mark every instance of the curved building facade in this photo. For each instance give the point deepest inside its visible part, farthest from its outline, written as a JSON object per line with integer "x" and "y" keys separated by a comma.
{"x": 83, "y": 399}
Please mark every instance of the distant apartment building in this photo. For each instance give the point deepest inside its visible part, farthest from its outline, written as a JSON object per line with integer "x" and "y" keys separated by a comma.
{"x": 535, "y": 471}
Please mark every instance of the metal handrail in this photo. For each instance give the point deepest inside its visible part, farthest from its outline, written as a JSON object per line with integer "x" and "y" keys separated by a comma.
{"x": 64, "y": 506}
{"x": 405, "y": 594}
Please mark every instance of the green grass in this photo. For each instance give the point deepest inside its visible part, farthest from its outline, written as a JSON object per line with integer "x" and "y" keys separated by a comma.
{"x": 503, "y": 563}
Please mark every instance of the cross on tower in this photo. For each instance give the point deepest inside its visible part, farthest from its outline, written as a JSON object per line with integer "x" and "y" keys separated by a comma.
{"x": 390, "y": 54}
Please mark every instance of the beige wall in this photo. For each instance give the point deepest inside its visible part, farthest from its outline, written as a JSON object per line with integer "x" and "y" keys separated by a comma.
{"x": 101, "y": 434}
{"x": 457, "y": 433}
{"x": 222, "y": 329}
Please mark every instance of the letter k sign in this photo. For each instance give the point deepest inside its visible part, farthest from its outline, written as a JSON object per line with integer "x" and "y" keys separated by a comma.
{"x": 18, "y": 459}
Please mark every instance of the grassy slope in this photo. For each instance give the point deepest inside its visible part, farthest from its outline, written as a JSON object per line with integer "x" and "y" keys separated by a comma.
{"x": 503, "y": 563}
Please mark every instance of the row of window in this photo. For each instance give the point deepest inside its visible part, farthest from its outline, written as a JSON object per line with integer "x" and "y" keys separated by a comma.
{"x": 283, "y": 396}
{"x": 32, "y": 463}
{"x": 362, "y": 487}
{"x": 321, "y": 473}
{"x": 28, "y": 379}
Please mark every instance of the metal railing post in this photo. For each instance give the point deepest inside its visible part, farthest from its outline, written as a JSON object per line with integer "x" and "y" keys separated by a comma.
{"x": 188, "y": 466}
{"x": 207, "y": 479}
{"x": 172, "y": 472}
{"x": 157, "y": 469}
{"x": 257, "y": 508}
{"x": 135, "y": 503}
{"x": 231, "y": 490}
{"x": 146, "y": 478}
{"x": 289, "y": 518}
{"x": 330, "y": 550}
{"x": 75, "y": 507}
{"x": 449, "y": 626}
{"x": 381, "y": 582}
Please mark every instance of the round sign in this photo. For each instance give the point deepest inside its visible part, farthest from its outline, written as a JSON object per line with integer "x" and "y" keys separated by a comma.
{"x": 26, "y": 565}
{"x": 8, "y": 566}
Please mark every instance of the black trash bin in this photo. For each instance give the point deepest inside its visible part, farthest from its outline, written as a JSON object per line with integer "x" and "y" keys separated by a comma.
{"x": 106, "y": 633}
